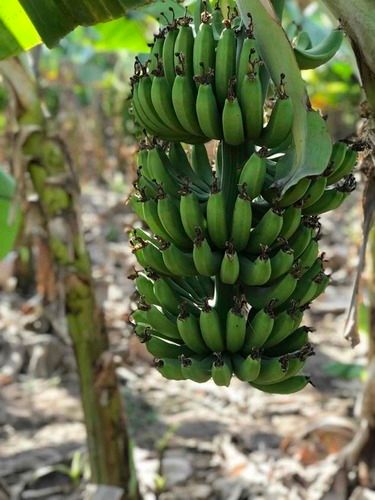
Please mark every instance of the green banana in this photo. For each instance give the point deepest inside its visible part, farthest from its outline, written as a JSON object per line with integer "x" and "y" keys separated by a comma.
{"x": 259, "y": 328}
{"x": 151, "y": 257}
{"x": 321, "y": 53}
{"x": 293, "y": 342}
{"x": 151, "y": 217}
{"x": 302, "y": 41}
{"x": 198, "y": 370}
{"x": 170, "y": 368}
{"x": 179, "y": 164}
{"x": 314, "y": 192}
{"x": 295, "y": 193}
{"x": 289, "y": 386}
{"x": 169, "y": 51}
{"x": 217, "y": 216}
{"x": 217, "y": 21}
{"x": 272, "y": 370}
{"x": 266, "y": 231}
{"x": 208, "y": 115}
{"x": 156, "y": 50}
{"x": 200, "y": 163}
{"x": 185, "y": 45}
{"x": 162, "y": 100}
{"x": 184, "y": 98}
{"x": 256, "y": 272}
{"x": 158, "y": 321}
{"x": 145, "y": 287}
{"x": 330, "y": 200}
{"x": 233, "y": 128}
{"x": 235, "y": 326}
{"x": 204, "y": 46}
{"x": 248, "y": 50}
{"x": 246, "y": 369}
{"x": 170, "y": 218}
{"x": 241, "y": 219}
{"x": 338, "y": 153}
{"x": 161, "y": 348}
{"x": 281, "y": 119}
{"x": 291, "y": 221}
{"x": 159, "y": 166}
{"x": 301, "y": 238}
{"x": 309, "y": 256}
{"x": 222, "y": 370}
{"x": 206, "y": 262}
{"x": 230, "y": 265}
{"x": 281, "y": 262}
{"x": 225, "y": 64}
{"x": 211, "y": 329}
{"x": 188, "y": 327}
{"x": 166, "y": 297}
{"x": 253, "y": 175}
{"x": 251, "y": 99}
{"x": 280, "y": 291}
{"x": 344, "y": 168}
{"x": 283, "y": 326}
{"x": 178, "y": 262}
{"x": 191, "y": 213}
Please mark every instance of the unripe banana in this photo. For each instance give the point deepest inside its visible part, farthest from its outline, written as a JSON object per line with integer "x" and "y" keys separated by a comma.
{"x": 200, "y": 163}
{"x": 253, "y": 175}
{"x": 301, "y": 238}
{"x": 314, "y": 192}
{"x": 198, "y": 370}
{"x": 169, "y": 51}
{"x": 178, "y": 262}
{"x": 225, "y": 65}
{"x": 338, "y": 153}
{"x": 185, "y": 45}
{"x": 217, "y": 216}
{"x": 156, "y": 50}
{"x": 272, "y": 370}
{"x": 241, "y": 220}
{"x": 204, "y": 46}
{"x": 283, "y": 326}
{"x": 291, "y": 343}
{"x": 251, "y": 99}
{"x": 191, "y": 213}
{"x": 211, "y": 329}
{"x": 246, "y": 369}
{"x": 295, "y": 193}
{"x": 259, "y": 328}
{"x": 145, "y": 287}
{"x": 166, "y": 297}
{"x": 236, "y": 327}
{"x": 217, "y": 21}
{"x": 162, "y": 348}
{"x": 281, "y": 119}
{"x": 256, "y": 272}
{"x": 180, "y": 165}
{"x": 291, "y": 221}
{"x": 289, "y": 386}
{"x": 266, "y": 231}
{"x": 206, "y": 262}
{"x": 309, "y": 256}
{"x": 281, "y": 262}
{"x": 170, "y": 368}
{"x": 158, "y": 166}
{"x": 247, "y": 53}
{"x": 184, "y": 98}
{"x": 154, "y": 317}
{"x": 209, "y": 118}
{"x": 188, "y": 327}
{"x": 169, "y": 216}
{"x": 233, "y": 128}
{"x": 222, "y": 370}
{"x": 280, "y": 291}
{"x": 230, "y": 265}
{"x": 151, "y": 217}
{"x": 344, "y": 168}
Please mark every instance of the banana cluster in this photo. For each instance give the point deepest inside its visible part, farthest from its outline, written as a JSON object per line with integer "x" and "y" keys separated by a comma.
{"x": 212, "y": 83}
{"x": 228, "y": 275}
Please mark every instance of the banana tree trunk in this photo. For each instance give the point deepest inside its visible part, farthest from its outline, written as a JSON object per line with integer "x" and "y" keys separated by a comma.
{"x": 52, "y": 176}
{"x": 359, "y": 23}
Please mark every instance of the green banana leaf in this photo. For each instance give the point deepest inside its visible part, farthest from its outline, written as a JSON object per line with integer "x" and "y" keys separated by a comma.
{"x": 26, "y": 23}
{"x": 10, "y": 219}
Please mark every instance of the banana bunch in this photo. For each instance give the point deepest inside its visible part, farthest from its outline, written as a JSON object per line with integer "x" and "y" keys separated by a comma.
{"x": 210, "y": 83}
{"x": 226, "y": 281}
{"x": 229, "y": 262}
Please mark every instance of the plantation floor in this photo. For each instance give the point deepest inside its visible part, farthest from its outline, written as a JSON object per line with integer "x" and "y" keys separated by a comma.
{"x": 191, "y": 441}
